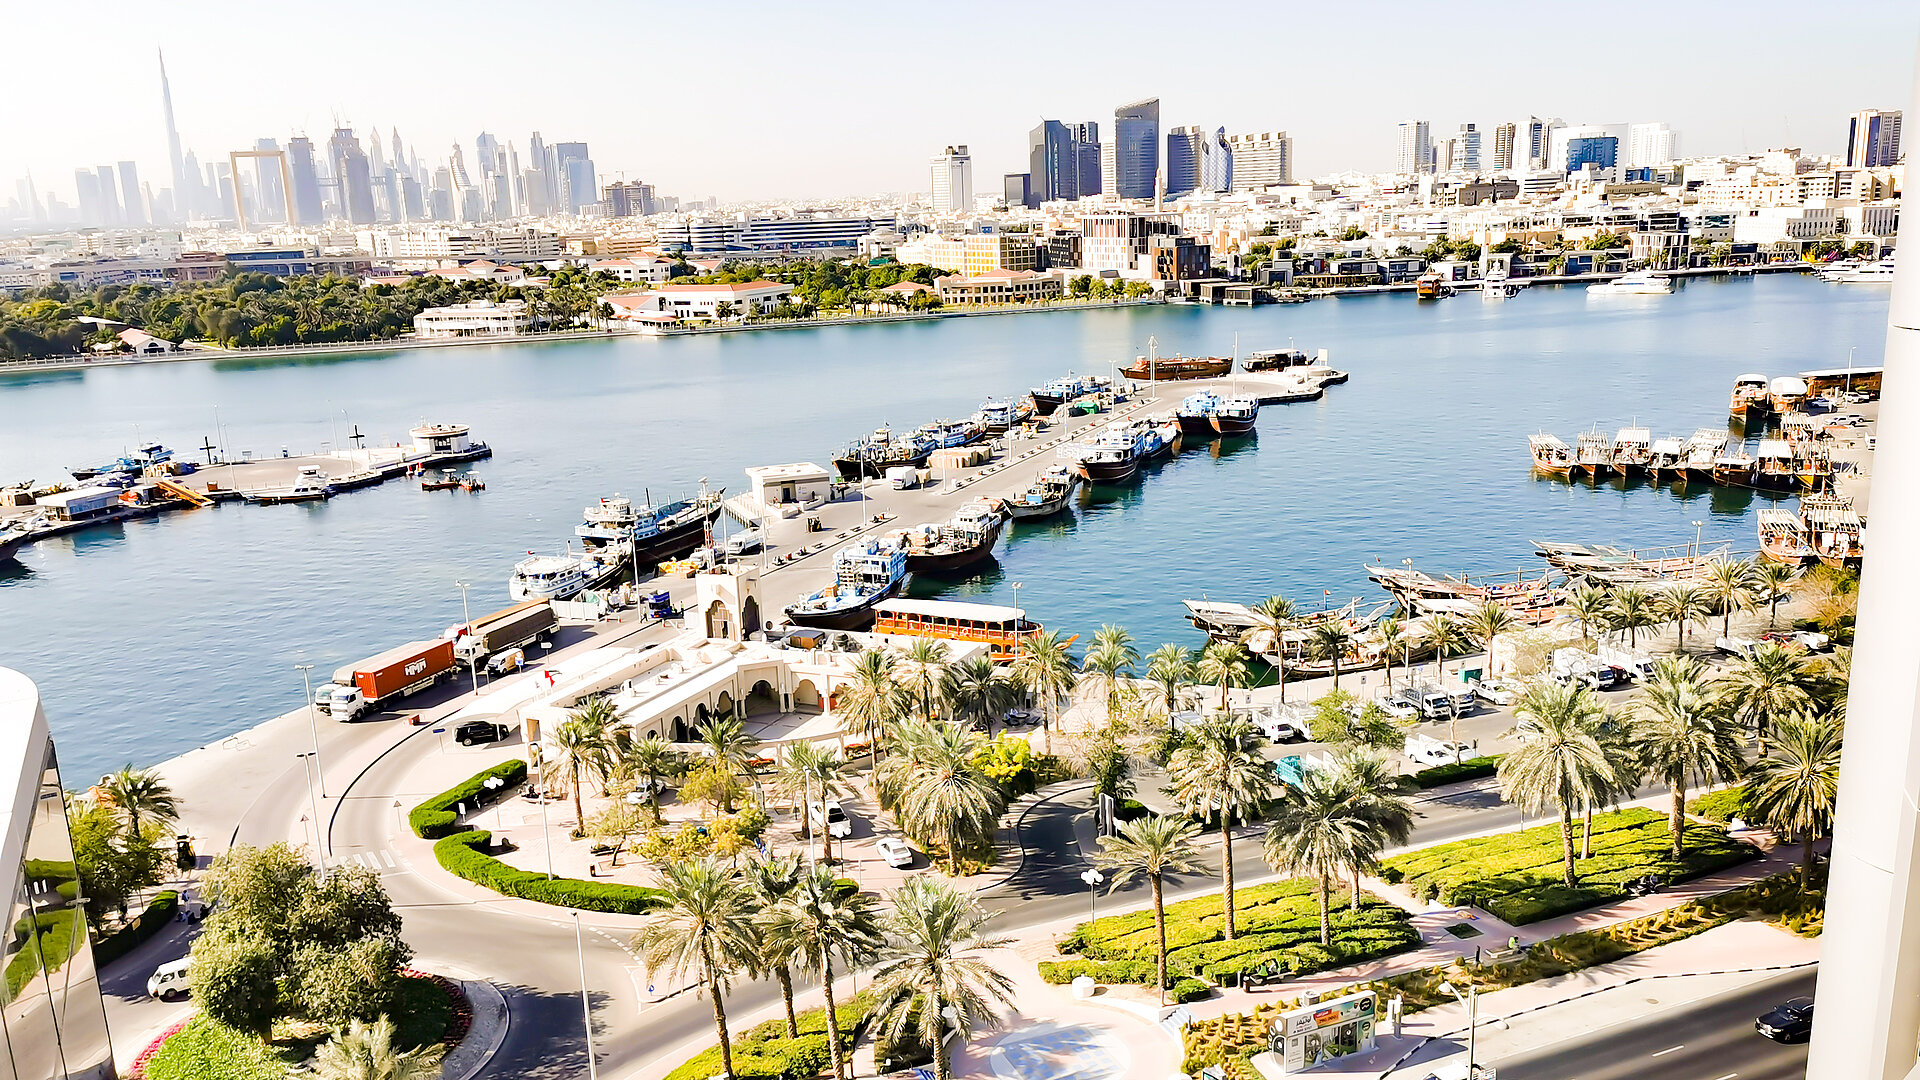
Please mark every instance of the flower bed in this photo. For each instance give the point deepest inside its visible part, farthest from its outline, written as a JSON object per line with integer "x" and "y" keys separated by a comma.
{"x": 1473, "y": 768}
{"x": 1517, "y": 875}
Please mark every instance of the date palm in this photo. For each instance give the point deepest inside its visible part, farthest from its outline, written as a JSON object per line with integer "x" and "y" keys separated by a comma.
{"x": 873, "y": 700}
{"x": 1771, "y": 581}
{"x": 1105, "y": 668}
{"x": 1565, "y": 765}
{"x": 654, "y": 760}
{"x": 812, "y": 773}
{"x": 1588, "y": 606}
{"x": 1375, "y": 791}
{"x": 820, "y": 924}
{"x": 579, "y": 747}
{"x": 1316, "y": 833}
{"x": 1446, "y": 636}
{"x": 1730, "y": 582}
{"x": 1683, "y": 602}
{"x": 947, "y": 799}
{"x": 1272, "y": 618}
{"x": 1794, "y": 790}
{"x": 1046, "y": 670}
{"x": 1171, "y": 668}
{"x": 141, "y": 794}
{"x": 770, "y": 880}
{"x": 1154, "y": 847}
{"x": 976, "y": 692}
{"x": 927, "y": 975}
{"x": 924, "y": 660}
{"x": 1487, "y": 624}
{"x": 704, "y": 929}
{"x": 1393, "y": 635}
{"x": 1632, "y": 610}
{"x": 728, "y": 746}
{"x": 1214, "y": 773}
{"x": 366, "y": 1052}
{"x": 1223, "y": 664}
{"x": 1330, "y": 640}
{"x": 1684, "y": 734}
{"x": 1766, "y": 686}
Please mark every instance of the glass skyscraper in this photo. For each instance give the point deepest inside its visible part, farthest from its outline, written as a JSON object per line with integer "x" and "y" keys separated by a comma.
{"x": 1135, "y": 158}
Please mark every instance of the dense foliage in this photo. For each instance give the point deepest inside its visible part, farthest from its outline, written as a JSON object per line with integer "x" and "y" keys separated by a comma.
{"x": 206, "y": 1049}
{"x": 820, "y": 284}
{"x": 461, "y": 855}
{"x": 766, "y": 1053}
{"x": 138, "y": 930}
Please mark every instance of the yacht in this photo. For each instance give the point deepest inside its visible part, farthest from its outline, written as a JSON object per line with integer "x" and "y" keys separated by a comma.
{"x": 309, "y": 485}
{"x": 548, "y": 577}
{"x": 1879, "y": 272}
{"x": 1497, "y": 286}
{"x": 864, "y": 573}
{"x": 1638, "y": 283}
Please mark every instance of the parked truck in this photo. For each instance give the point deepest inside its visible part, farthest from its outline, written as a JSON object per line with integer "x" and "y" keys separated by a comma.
{"x": 1637, "y": 665}
{"x": 365, "y": 686}
{"x": 1427, "y": 750}
{"x": 1578, "y": 665}
{"x": 508, "y": 628}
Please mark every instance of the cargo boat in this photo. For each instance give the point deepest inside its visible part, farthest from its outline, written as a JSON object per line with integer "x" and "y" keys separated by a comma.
{"x": 1060, "y": 391}
{"x": 1196, "y": 413}
{"x": 873, "y": 456}
{"x": 864, "y": 573}
{"x": 1175, "y": 368}
{"x": 999, "y": 414}
{"x": 1047, "y": 495}
{"x": 1551, "y": 454}
{"x": 947, "y": 434}
{"x": 959, "y": 542}
{"x": 1752, "y": 402}
{"x": 1236, "y": 416}
{"x": 1783, "y": 537}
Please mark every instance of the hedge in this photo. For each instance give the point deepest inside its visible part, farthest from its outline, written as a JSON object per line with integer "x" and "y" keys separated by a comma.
{"x": 1723, "y": 805}
{"x": 460, "y": 855}
{"x": 58, "y": 934}
{"x": 1517, "y": 876}
{"x": 1180, "y": 988}
{"x": 765, "y": 1053}
{"x": 142, "y": 927}
{"x": 1473, "y": 768}
{"x": 435, "y": 818}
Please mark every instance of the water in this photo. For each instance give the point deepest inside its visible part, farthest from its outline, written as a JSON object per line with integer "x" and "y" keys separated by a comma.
{"x": 153, "y": 637}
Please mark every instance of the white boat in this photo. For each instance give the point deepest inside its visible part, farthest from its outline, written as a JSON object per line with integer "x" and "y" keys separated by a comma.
{"x": 1638, "y": 283}
{"x": 548, "y": 577}
{"x": 309, "y": 485}
{"x": 1497, "y": 286}
{"x": 1879, "y": 272}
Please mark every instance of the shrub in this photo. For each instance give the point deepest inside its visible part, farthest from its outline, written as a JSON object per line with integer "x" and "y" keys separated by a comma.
{"x": 460, "y": 855}
{"x": 435, "y": 818}
{"x": 205, "y": 1049}
{"x": 765, "y": 1052}
{"x": 138, "y": 929}
{"x": 1061, "y": 972}
{"x": 1185, "y": 990}
{"x": 1473, "y": 768}
{"x": 1723, "y": 805}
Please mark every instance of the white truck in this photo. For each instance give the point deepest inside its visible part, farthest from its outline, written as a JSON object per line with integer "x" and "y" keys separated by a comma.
{"x": 1638, "y": 665}
{"x": 1579, "y": 665}
{"x": 1427, "y": 750}
{"x": 1283, "y": 723}
{"x": 1434, "y": 703}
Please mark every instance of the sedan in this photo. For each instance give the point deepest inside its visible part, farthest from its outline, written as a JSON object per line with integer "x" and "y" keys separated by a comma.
{"x": 895, "y": 851}
{"x": 1789, "y": 1021}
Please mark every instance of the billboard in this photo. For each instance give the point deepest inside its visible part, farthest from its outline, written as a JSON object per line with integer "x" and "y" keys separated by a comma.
{"x": 1316, "y": 1034}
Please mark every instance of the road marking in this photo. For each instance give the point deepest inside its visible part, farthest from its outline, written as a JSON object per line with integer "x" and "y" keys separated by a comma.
{"x": 1669, "y": 1050}
{"x": 1729, "y": 1076}
{"x": 387, "y": 856}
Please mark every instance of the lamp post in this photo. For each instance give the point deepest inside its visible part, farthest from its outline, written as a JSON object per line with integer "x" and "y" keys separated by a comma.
{"x": 473, "y": 654}
{"x": 1017, "y": 638}
{"x": 1695, "y": 553}
{"x": 1093, "y": 878}
{"x": 1472, "y": 1001}
{"x": 586, "y": 1004}
{"x": 313, "y": 726}
{"x": 493, "y": 784}
{"x": 319, "y": 841}
{"x": 545, "y": 831}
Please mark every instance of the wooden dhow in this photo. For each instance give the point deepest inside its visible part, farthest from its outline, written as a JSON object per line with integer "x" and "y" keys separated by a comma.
{"x": 1833, "y": 529}
{"x": 1783, "y": 537}
{"x": 1551, "y": 454}
{"x": 1592, "y": 455}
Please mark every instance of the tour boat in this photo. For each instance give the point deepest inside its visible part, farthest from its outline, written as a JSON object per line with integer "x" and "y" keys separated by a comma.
{"x": 864, "y": 573}
{"x": 1632, "y": 450}
{"x": 1156, "y": 368}
{"x": 871, "y": 457}
{"x": 1787, "y": 393}
{"x": 961, "y": 541}
{"x": 1774, "y": 466}
{"x": 1703, "y": 448}
{"x": 1236, "y": 416}
{"x": 1833, "y": 529}
{"x": 1666, "y": 459}
{"x": 1638, "y": 283}
{"x": 1002, "y": 629}
{"x": 1733, "y": 468}
{"x": 1432, "y": 286}
{"x": 1592, "y": 455}
{"x": 1196, "y": 413}
{"x": 309, "y": 485}
{"x": 1551, "y": 454}
{"x": 999, "y": 414}
{"x": 1751, "y": 402}
{"x": 1783, "y": 538}
{"x": 1047, "y": 495}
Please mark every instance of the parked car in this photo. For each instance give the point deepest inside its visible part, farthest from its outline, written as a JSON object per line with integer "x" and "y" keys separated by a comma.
{"x": 1735, "y": 645}
{"x": 479, "y": 733}
{"x": 1789, "y": 1021}
{"x": 1399, "y": 708}
{"x": 169, "y": 981}
{"x": 895, "y": 851}
{"x": 830, "y": 812}
{"x": 1495, "y": 692}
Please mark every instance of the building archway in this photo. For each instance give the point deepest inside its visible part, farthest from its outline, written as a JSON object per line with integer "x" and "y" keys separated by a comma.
{"x": 806, "y": 697}
{"x": 700, "y": 717}
{"x": 723, "y": 705}
{"x": 750, "y": 616}
{"x": 762, "y": 699}
{"x": 680, "y": 732}
{"x": 719, "y": 623}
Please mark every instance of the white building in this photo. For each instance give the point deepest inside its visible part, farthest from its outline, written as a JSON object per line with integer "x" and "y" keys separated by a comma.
{"x": 1772, "y": 224}
{"x": 475, "y": 318}
{"x": 1651, "y": 144}
{"x": 1873, "y": 138}
{"x": 443, "y": 242}
{"x": 1261, "y": 160}
{"x": 652, "y": 271}
{"x": 1416, "y": 148}
{"x": 952, "y": 180}
{"x": 701, "y": 301}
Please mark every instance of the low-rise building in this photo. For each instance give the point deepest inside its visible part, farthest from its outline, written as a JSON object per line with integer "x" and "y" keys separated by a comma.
{"x": 475, "y": 318}
{"x": 653, "y": 271}
{"x": 998, "y": 287}
{"x": 701, "y": 301}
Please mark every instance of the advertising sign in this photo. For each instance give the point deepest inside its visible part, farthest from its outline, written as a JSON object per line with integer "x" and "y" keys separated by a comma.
{"x": 1316, "y": 1034}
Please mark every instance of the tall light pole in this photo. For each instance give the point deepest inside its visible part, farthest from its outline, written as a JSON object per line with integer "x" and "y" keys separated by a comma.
{"x": 1697, "y": 526}
{"x": 313, "y": 725}
{"x": 1017, "y": 639}
{"x": 586, "y": 1005}
{"x": 545, "y": 831}
{"x": 1093, "y": 878}
{"x": 473, "y": 654}
{"x": 319, "y": 830}
{"x": 1472, "y": 1001}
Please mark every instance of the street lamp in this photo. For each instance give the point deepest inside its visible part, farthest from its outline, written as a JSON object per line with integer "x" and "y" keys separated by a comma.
{"x": 319, "y": 841}
{"x": 494, "y": 783}
{"x": 1695, "y": 553}
{"x": 1472, "y": 1001}
{"x": 473, "y": 654}
{"x": 1093, "y": 878}
{"x": 313, "y": 726}
{"x": 586, "y": 1005}
{"x": 545, "y": 831}
{"x": 1017, "y": 639}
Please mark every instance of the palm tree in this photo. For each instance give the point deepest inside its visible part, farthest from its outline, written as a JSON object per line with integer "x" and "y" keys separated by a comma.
{"x": 1047, "y": 672}
{"x": 976, "y": 692}
{"x": 1154, "y": 847}
{"x": 1316, "y": 833}
{"x": 1632, "y": 611}
{"x": 1588, "y": 605}
{"x": 1272, "y": 618}
{"x": 1393, "y": 635}
{"x": 1795, "y": 789}
{"x": 1117, "y": 638}
{"x": 1330, "y": 640}
{"x": 729, "y": 748}
{"x": 770, "y": 880}
{"x": 1730, "y": 582}
{"x": 1170, "y": 667}
{"x": 873, "y": 699}
{"x": 1106, "y": 667}
{"x": 1683, "y": 734}
{"x": 1214, "y": 773}
{"x": 139, "y": 793}
{"x": 1373, "y": 791}
{"x": 580, "y": 747}
{"x": 810, "y": 769}
{"x": 931, "y": 985}
{"x": 949, "y": 801}
{"x": 706, "y": 928}
{"x": 653, "y": 759}
{"x": 924, "y": 659}
{"x": 1564, "y": 765}
{"x": 1772, "y": 581}
{"x": 818, "y": 924}
{"x": 366, "y": 1052}
{"x": 1683, "y": 602}
{"x": 1487, "y": 624}
{"x": 1223, "y": 664}
{"x": 1447, "y": 637}
{"x": 1766, "y": 686}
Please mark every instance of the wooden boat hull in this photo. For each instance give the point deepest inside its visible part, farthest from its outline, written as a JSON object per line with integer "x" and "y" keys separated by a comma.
{"x": 948, "y": 561}
{"x": 1045, "y": 404}
{"x": 1195, "y": 425}
{"x": 1032, "y": 511}
{"x": 852, "y": 617}
{"x": 1111, "y": 472}
{"x": 852, "y": 468}
{"x": 1175, "y": 370}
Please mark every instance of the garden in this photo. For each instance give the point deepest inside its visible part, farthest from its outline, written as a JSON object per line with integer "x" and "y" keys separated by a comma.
{"x": 1518, "y": 876}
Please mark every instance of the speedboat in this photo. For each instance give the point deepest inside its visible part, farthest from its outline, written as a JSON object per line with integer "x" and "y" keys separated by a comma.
{"x": 1638, "y": 283}
{"x": 309, "y": 485}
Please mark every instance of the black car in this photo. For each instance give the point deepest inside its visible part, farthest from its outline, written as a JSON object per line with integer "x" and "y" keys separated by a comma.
{"x": 479, "y": 733}
{"x": 1789, "y": 1021}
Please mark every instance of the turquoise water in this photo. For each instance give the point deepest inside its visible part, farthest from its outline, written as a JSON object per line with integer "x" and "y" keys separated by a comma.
{"x": 153, "y": 637}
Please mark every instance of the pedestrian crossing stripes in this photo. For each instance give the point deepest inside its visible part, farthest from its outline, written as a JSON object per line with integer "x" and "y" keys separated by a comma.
{"x": 380, "y": 862}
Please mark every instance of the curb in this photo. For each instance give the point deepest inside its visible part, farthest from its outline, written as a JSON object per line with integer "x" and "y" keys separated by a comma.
{"x": 1032, "y": 802}
{"x": 491, "y": 1019}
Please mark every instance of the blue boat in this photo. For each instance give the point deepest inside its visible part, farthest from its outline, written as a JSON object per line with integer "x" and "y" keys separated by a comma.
{"x": 947, "y": 434}
{"x": 1196, "y": 413}
{"x": 133, "y": 464}
{"x": 864, "y": 573}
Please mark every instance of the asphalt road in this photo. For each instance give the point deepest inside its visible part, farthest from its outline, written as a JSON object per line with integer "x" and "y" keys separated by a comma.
{"x": 1710, "y": 1039}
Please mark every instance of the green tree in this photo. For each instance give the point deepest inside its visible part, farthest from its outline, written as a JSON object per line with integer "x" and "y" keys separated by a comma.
{"x": 1682, "y": 602}
{"x": 1375, "y": 793}
{"x": 1224, "y": 664}
{"x": 235, "y": 982}
{"x": 1771, "y": 582}
{"x": 1682, "y": 733}
{"x": 654, "y": 760}
{"x": 578, "y": 748}
{"x": 728, "y": 747}
{"x": 112, "y": 864}
{"x": 1632, "y": 610}
{"x": 1317, "y": 833}
{"x": 1766, "y": 686}
{"x": 366, "y": 1052}
{"x": 1330, "y": 641}
{"x": 1107, "y": 666}
{"x": 811, "y": 772}
{"x": 141, "y": 793}
{"x": 1214, "y": 774}
{"x": 976, "y": 692}
{"x": 1392, "y": 634}
{"x": 873, "y": 699}
{"x": 1794, "y": 789}
{"x": 1445, "y": 636}
{"x": 930, "y": 983}
{"x": 1588, "y": 605}
{"x": 818, "y": 924}
{"x": 343, "y": 983}
{"x": 1730, "y": 582}
{"x": 1170, "y": 667}
{"x": 1563, "y": 765}
{"x": 1272, "y": 618}
{"x": 947, "y": 799}
{"x": 1046, "y": 670}
{"x": 1152, "y": 847}
{"x": 1486, "y": 624}
{"x": 705, "y": 929}
{"x": 925, "y": 659}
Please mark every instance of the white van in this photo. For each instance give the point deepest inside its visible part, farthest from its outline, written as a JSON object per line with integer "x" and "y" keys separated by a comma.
{"x": 169, "y": 981}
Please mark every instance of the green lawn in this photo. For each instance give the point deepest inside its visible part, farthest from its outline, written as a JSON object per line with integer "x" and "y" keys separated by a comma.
{"x": 765, "y": 1052}
{"x": 1278, "y": 922}
{"x": 1517, "y": 876}
{"x": 207, "y": 1050}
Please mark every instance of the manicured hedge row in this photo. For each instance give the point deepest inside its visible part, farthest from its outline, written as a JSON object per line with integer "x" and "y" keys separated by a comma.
{"x": 1180, "y": 988}
{"x": 435, "y": 818}
{"x": 765, "y": 1053}
{"x": 1473, "y": 768}
{"x": 137, "y": 931}
{"x": 460, "y": 855}
{"x": 1723, "y": 805}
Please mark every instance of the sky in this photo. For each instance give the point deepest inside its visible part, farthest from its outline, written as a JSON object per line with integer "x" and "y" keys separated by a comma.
{"x": 752, "y": 101}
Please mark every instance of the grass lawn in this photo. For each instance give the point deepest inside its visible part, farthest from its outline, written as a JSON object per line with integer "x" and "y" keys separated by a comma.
{"x": 1277, "y": 923}
{"x": 1517, "y": 876}
{"x": 206, "y": 1050}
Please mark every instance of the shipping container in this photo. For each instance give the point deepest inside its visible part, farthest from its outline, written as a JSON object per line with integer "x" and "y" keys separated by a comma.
{"x": 399, "y": 670}
{"x": 507, "y": 628}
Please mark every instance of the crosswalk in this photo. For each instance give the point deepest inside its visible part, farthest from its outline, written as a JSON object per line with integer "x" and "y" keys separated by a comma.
{"x": 383, "y": 861}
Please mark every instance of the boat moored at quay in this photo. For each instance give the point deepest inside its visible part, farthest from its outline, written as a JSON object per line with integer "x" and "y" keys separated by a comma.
{"x": 1632, "y": 451}
{"x": 1196, "y": 412}
{"x": 1115, "y": 454}
{"x": 1833, "y": 529}
{"x": 1061, "y": 391}
{"x": 965, "y": 539}
{"x": 308, "y": 485}
{"x": 1592, "y": 455}
{"x": 948, "y": 434}
{"x": 1046, "y": 496}
{"x": 871, "y": 457}
{"x": 999, "y": 414}
{"x": 1752, "y": 401}
{"x": 1783, "y": 537}
{"x": 864, "y": 573}
{"x": 1156, "y": 368}
{"x": 1235, "y": 416}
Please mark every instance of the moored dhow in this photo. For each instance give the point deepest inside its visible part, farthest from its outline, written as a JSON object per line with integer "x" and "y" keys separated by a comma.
{"x": 1608, "y": 565}
{"x": 947, "y": 434}
{"x": 1783, "y": 538}
{"x": 673, "y": 530}
{"x": 871, "y": 457}
{"x": 1060, "y": 391}
{"x": 999, "y": 414}
{"x": 1235, "y": 416}
{"x": 865, "y": 572}
{"x": 1196, "y": 412}
{"x": 1733, "y": 467}
{"x": 1751, "y": 403}
{"x": 1114, "y": 455}
{"x": 1833, "y": 529}
{"x": 1156, "y": 368}
{"x": 1551, "y": 454}
{"x": 959, "y": 542}
{"x": 1632, "y": 450}
{"x": 1667, "y": 459}
{"x": 1592, "y": 455}
{"x": 1703, "y": 448}
{"x": 1047, "y": 495}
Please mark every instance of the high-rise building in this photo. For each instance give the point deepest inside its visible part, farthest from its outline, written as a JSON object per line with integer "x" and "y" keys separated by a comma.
{"x": 1260, "y": 160}
{"x": 86, "y": 189}
{"x": 1016, "y": 188}
{"x": 1086, "y": 140}
{"x": 1053, "y": 163}
{"x": 1873, "y": 138}
{"x": 1540, "y": 141}
{"x": 1600, "y": 145}
{"x": 952, "y": 180}
{"x": 1466, "y": 150}
{"x": 354, "y": 176}
{"x": 109, "y": 202}
{"x": 306, "y": 181}
{"x": 1416, "y": 148}
{"x": 131, "y": 210}
{"x": 1651, "y": 144}
{"x": 1503, "y": 147}
{"x": 181, "y": 178}
{"x": 1198, "y": 160}
{"x": 1130, "y": 163}
{"x": 575, "y": 175}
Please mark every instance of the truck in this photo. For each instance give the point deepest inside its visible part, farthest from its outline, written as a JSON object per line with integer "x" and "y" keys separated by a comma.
{"x": 1427, "y": 750}
{"x": 508, "y": 628}
{"x": 365, "y": 686}
{"x": 1433, "y": 702}
{"x": 1283, "y": 723}
{"x": 1578, "y": 665}
{"x": 1636, "y": 664}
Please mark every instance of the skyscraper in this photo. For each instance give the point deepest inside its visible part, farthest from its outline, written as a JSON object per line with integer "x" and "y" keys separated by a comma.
{"x": 1416, "y": 148}
{"x": 132, "y": 212}
{"x": 952, "y": 180}
{"x": 1183, "y": 161}
{"x": 1539, "y": 141}
{"x": 86, "y": 189}
{"x": 181, "y": 182}
{"x": 1260, "y": 160}
{"x": 355, "y": 177}
{"x": 1873, "y": 138}
{"x": 1466, "y": 152}
{"x": 1086, "y": 139}
{"x": 1651, "y": 144}
{"x": 109, "y": 202}
{"x": 306, "y": 182}
{"x": 576, "y": 176}
{"x": 1053, "y": 163}
{"x": 1131, "y": 163}
{"x": 1503, "y": 147}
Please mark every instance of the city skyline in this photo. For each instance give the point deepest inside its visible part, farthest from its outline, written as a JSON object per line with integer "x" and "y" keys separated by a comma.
{"x": 882, "y": 144}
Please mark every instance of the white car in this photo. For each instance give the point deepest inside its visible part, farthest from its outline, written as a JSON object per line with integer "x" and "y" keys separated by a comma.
{"x": 169, "y": 981}
{"x": 830, "y": 813}
{"x": 1399, "y": 708}
{"x": 1441, "y": 752}
{"x": 895, "y": 851}
{"x": 1495, "y": 692}
{"x": 1736, "y": 646}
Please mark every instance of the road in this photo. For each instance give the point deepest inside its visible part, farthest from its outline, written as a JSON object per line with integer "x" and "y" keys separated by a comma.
{"x": 1710, "y": 1039}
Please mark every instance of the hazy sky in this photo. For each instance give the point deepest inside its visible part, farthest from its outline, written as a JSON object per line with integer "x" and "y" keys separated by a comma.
{"x": 766, "y": 100}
